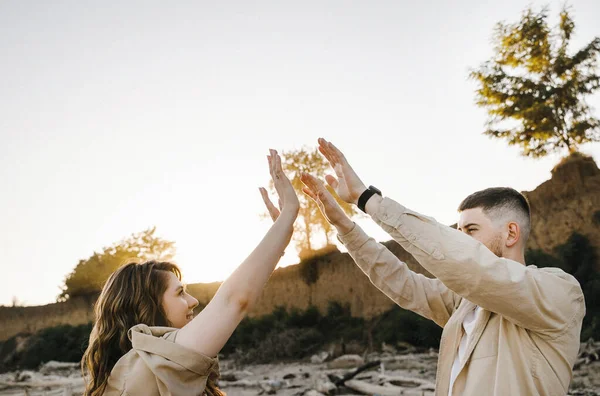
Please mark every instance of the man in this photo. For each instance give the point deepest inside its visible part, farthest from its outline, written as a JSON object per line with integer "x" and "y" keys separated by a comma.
{"x": 509, "y": 329}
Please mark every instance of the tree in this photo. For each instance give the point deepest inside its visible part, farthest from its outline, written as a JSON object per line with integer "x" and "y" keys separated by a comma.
{"x": 533, "y": 88}
{"x": 310, "y": 220}
{"x": 15, "y": 302}
{"x": 89, "y": 275}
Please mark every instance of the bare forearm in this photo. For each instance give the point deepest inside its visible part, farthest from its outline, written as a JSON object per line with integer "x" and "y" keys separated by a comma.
{"x": 344, "y": 226}
{"x": 245, "y": 284}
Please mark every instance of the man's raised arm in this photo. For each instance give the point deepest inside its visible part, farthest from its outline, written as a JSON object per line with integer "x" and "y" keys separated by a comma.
{"x": 415, "y": 292}
{"x": 546, "y": 300}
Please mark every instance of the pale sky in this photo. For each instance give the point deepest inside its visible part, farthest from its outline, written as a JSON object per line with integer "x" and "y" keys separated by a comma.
{"x": 117, "y": 117}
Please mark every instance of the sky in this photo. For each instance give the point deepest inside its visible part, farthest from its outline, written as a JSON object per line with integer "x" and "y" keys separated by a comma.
{"x": 116, "y": 117}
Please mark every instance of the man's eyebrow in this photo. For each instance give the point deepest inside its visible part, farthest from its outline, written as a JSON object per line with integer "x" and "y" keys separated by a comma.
{"x": 471, "y": 225}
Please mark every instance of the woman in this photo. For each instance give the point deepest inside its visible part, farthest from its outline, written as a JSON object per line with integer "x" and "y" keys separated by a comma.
{"x": 146, "y": 341}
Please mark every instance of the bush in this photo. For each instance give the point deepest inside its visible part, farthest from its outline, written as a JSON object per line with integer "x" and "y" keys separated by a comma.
{"x": 64, "y": 343}
{"x": 309, "y": 318}
{"x": 8, "y": 357}
{"x": 309, "y": 270}
{"x": 339, "y": 324}
{"x": 577, "y": 257}
{"x": 298, "y": 334}
{"x": 284, "y": 345}
{"x": 400, "y": 325}
{"x": 596, "y": 217}
{"x": 541, "y": 259}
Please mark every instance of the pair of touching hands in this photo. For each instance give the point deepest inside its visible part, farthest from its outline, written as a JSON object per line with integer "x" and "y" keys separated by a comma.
{"x": 346, "y": 184}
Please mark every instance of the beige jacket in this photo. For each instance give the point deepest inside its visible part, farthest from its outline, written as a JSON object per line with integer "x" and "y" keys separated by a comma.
{"x": 156, "y": 365}
{"x": 527, "y": 339}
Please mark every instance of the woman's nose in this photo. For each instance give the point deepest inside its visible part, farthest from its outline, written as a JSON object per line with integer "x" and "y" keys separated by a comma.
{"x": 193, "y": 302}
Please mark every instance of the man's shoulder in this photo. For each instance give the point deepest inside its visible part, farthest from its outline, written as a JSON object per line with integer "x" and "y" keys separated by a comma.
{"x": 556, "y": 271}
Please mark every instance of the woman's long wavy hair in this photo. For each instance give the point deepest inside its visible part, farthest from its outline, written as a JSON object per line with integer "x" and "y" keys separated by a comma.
{"x": 132, "y": 295}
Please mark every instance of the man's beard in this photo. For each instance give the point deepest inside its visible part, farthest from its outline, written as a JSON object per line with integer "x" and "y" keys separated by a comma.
{"x": 496, "y": 246}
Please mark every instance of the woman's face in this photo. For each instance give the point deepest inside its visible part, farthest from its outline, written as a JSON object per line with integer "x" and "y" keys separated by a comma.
{"x": 177, "y": 303}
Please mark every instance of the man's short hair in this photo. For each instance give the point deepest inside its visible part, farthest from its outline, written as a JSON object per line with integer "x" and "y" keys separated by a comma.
{"x": 501, "y": 203}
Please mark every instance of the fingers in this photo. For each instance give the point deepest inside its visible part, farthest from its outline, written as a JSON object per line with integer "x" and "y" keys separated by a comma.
{"x": 316, "y": 189}
{"x": 313, "y": 184}
{"x": 335, "y": 152}
{"x": 272, "y": 161}
{"x": 275, "y": 167}
{"x": 278, "y": 168}
{"x": 265, "y": 197}
{"x": 310, "y": 194}
{"x": 283, "y": 186}
{"x": 332, "y": 181}
{"x": 331, "y": 152}
{"x": 324, "y": 149}
{"x": 273, "y": 212}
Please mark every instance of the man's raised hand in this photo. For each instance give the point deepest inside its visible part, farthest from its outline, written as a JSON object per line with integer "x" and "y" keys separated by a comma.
{"x": 348, "y": 185}
{"x": 332, "y": 211}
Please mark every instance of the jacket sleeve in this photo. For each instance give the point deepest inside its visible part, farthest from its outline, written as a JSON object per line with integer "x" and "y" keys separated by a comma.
{"x": 544, "y": 300}
{"x": 427, "y": 297}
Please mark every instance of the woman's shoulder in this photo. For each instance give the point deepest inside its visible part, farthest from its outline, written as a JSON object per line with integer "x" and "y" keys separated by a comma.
{"x": 158, "y": 343}
{"x": 156, "y": 360}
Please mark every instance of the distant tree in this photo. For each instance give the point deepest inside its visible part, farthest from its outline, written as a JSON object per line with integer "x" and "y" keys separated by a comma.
{"x": 311, "y": 222}
{"x": 534, "y": 88}
{"x": 15, "y": 302}
{"x": 89, "y": 275}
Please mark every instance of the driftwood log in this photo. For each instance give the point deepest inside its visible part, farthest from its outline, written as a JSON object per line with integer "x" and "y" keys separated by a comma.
{"x": 385, "y": 390}
{"x": 359, "y": 370}
{"x": 590, "y": 352}
{"x": 408, "y": 382}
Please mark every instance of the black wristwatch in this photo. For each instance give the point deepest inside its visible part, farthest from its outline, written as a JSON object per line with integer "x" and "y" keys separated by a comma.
{"x": 364, "y": 197}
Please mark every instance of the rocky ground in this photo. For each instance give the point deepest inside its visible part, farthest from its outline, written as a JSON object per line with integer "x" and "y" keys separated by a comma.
{"x": 388, "y": 373}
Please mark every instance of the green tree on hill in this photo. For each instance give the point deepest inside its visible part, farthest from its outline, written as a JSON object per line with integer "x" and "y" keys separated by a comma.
{"x": 534, "y": 88}
{"x": 89, "y": 275}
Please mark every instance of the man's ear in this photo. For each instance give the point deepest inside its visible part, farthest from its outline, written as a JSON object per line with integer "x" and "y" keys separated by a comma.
{"x": 514, "y": 234}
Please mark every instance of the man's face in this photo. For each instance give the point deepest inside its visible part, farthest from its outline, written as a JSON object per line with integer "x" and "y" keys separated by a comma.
{"x": 475, "y": 223}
